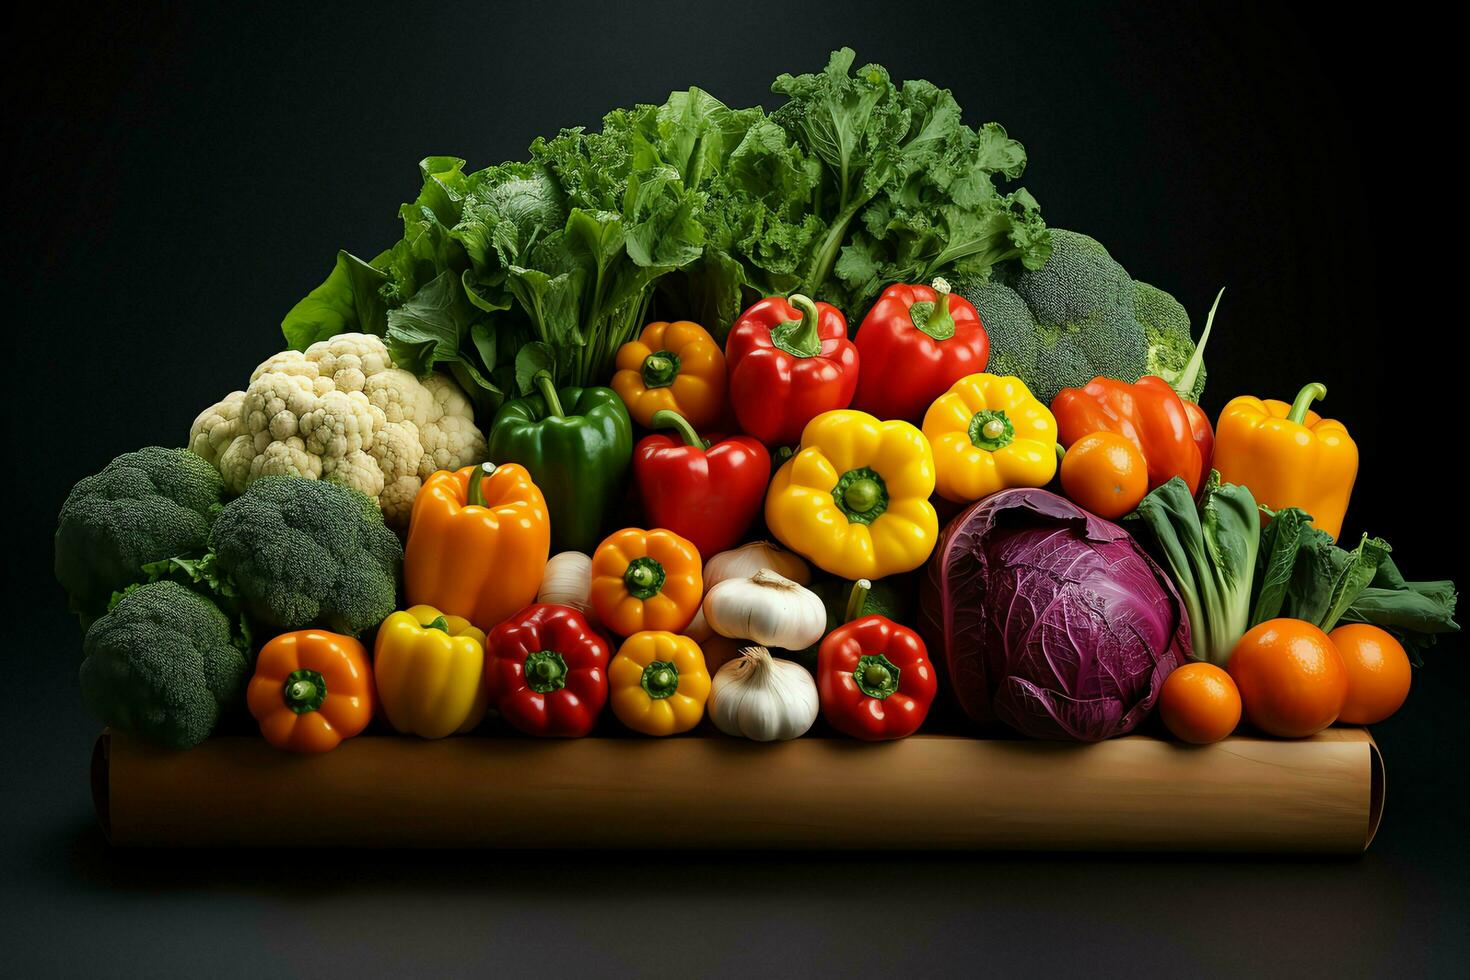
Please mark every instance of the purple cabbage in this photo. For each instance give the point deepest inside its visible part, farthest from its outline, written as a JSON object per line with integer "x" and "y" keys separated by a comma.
{"x": 1051, "y": 620}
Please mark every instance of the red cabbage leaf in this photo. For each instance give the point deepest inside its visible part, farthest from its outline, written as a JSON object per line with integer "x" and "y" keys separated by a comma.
{"x": 1051, "y": 620}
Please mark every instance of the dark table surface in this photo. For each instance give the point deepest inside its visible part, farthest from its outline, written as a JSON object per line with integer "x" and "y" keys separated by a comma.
{"x": 179, "y": 176}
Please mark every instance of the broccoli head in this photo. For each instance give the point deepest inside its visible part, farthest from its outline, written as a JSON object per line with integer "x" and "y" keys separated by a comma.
{"x": 144, "y": 506}
{"x": 162, "y": 664}
{"x": 1077, "y": 317}
{"x": 304, "y": 552}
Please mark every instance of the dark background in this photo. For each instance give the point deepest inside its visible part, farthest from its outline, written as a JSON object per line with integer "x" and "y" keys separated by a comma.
{"x": 176, "y": 178}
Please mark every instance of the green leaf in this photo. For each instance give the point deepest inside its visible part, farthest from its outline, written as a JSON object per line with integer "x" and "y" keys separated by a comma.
{"x": 531, "y": 359}
{"x": 1281, "y": 540}
{"x": 1209, "y": 550}
{"x": 347, "y": 301}
{"x": 428, "y": 327}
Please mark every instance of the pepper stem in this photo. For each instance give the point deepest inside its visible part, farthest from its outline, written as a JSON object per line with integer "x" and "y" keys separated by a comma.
{"x": 439, "y": 623}
{"x": 546, "y": 671}
{"x": 857, "y": 598}
{"x": 1185, "y": 383}
{"x": 660, "y": 679}
{"x": 304, "y": 690}
{"x": 877, "y": 677}
{"x": 475, "y": 497}
{"x": 644, "y": 577}
{"x": 1304, "y": 398}
{"x": 549, "y": 395}
{"x": 660, "y": 369}
{"x": 668, "y": 419}
{"x": 799, "y": 338}
{"x": 934, "y": 318}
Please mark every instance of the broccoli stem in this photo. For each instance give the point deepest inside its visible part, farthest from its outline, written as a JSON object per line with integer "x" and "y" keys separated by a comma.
{"x": 1196, "y": 361}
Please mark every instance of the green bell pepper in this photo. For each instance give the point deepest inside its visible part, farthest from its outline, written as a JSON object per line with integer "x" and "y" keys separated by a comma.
{"x": 577, "y": 444}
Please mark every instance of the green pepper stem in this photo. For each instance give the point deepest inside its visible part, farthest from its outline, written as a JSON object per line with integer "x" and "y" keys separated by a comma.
{"x": 1196, "y": 362}
{"x": 668, "y": 419}
{"x": 439, "y": 623}
{"x": 300, "y": 692}
{"x": 857, "y": 598}
{"x": 549, "y": 395}
{"x": 939, "y": 324}
{"x": 660, "y": 679}
{"x": 476, "y": 495}
{"x": 660, "y": 369}
{"x": 799, "y": 337}
{"x": 1304, "y": 398}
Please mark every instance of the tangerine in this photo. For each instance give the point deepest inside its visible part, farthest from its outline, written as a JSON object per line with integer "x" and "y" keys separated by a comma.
{"x": 1378, "y": 673}
{"x": 1291, "y": 678}
{"x": 1199, "y": 703}
{"x": 1105, "y": 473}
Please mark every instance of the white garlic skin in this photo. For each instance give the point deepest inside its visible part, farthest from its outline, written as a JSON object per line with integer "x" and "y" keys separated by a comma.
{"x": 567, "y": 581}
{"x": 758, "y": 697}
{"x": 766, "y": 608}
{"x": 746, "y": 560}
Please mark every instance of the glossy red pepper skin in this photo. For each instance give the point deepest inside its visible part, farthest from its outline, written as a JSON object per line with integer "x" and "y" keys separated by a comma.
{"x": 1175, "y": 436}
{"x": 562, "y": 706}
{"x": 905, "y": 368}
{"x": 710, "y": 495}
{"x": 774, "y": 392}
{"x": 851, "y": 710}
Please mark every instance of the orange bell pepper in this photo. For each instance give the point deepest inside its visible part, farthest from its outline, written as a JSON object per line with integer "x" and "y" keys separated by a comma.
{"x": 1289, "y": 456}
{"x": 646, "y": 580}
{"x": 674, "y": 367}
{"x": 477, "y": 551}
{"x": 311, "y": 690}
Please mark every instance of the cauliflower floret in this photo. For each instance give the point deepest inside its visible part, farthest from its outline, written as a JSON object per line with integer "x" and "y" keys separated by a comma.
{"x": 216, "y": 427}
{"x": 341, "y": 411}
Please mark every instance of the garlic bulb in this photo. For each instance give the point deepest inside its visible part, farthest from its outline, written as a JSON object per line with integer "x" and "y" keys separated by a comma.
{"x": 567, "y": 581}
{"x": 768, "y": 608}
{"x": 759, "y": 697}
{"x": 746, "y": 560}
{"x": 698, "y": 629}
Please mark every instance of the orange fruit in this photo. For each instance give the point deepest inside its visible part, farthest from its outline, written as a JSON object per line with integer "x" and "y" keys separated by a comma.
{"x": 1378, "y": 673}
{"x": 1105, "y": 473}
{"x": 1199, "y": 703}
{"x": 1291, "y": 678}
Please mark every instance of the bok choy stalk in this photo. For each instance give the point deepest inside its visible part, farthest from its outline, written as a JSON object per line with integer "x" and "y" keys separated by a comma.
{"x": 1209, "y": 550}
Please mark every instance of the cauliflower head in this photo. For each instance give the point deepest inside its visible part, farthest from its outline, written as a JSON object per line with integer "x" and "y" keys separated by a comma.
{"x": 341, "y": 411}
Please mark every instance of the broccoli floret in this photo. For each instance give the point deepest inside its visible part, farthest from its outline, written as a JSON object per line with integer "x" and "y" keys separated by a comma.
{"x": 143, "y": 506}
{"x": 308, "y": 553}
{"x": 1166, "y": 331}
{"x": 162, "y": 664}
{"x": 1077, "y": 317}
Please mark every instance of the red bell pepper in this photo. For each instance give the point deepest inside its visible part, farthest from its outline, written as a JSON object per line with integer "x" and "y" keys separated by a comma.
{"x": 874, "y": 676}
{"x": 547, "y": 671}
{"x": 1174, "y": 436}
{"x": 708, "y": 491}
{"x": 789, "y": 361}
{"x": 915, "y": 342}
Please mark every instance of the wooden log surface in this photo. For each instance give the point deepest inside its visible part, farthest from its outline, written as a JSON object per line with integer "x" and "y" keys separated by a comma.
{"x": 1138, "y": 793}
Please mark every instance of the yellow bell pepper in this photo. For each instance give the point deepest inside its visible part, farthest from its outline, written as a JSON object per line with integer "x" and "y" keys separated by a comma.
{"x": 989, "y": 433}
{"x": 430, "y": 671}
{"x": 1288, "y": 455}
{"x": 675, "y": 367}
{"x": 854, "y": 499}
{"x": 658, "y": 683}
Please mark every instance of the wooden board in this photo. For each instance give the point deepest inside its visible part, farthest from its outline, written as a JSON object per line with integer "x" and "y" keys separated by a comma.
{"x": 1322, "y": 795}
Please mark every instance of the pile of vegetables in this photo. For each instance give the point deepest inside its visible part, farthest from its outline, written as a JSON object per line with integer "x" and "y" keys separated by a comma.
{"x": 597, "y": 443}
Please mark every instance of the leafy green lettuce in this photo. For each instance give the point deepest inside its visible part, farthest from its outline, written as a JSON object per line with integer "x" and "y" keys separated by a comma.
{"x": 687, "y": 209}
{"x": 1302, "y": 574}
